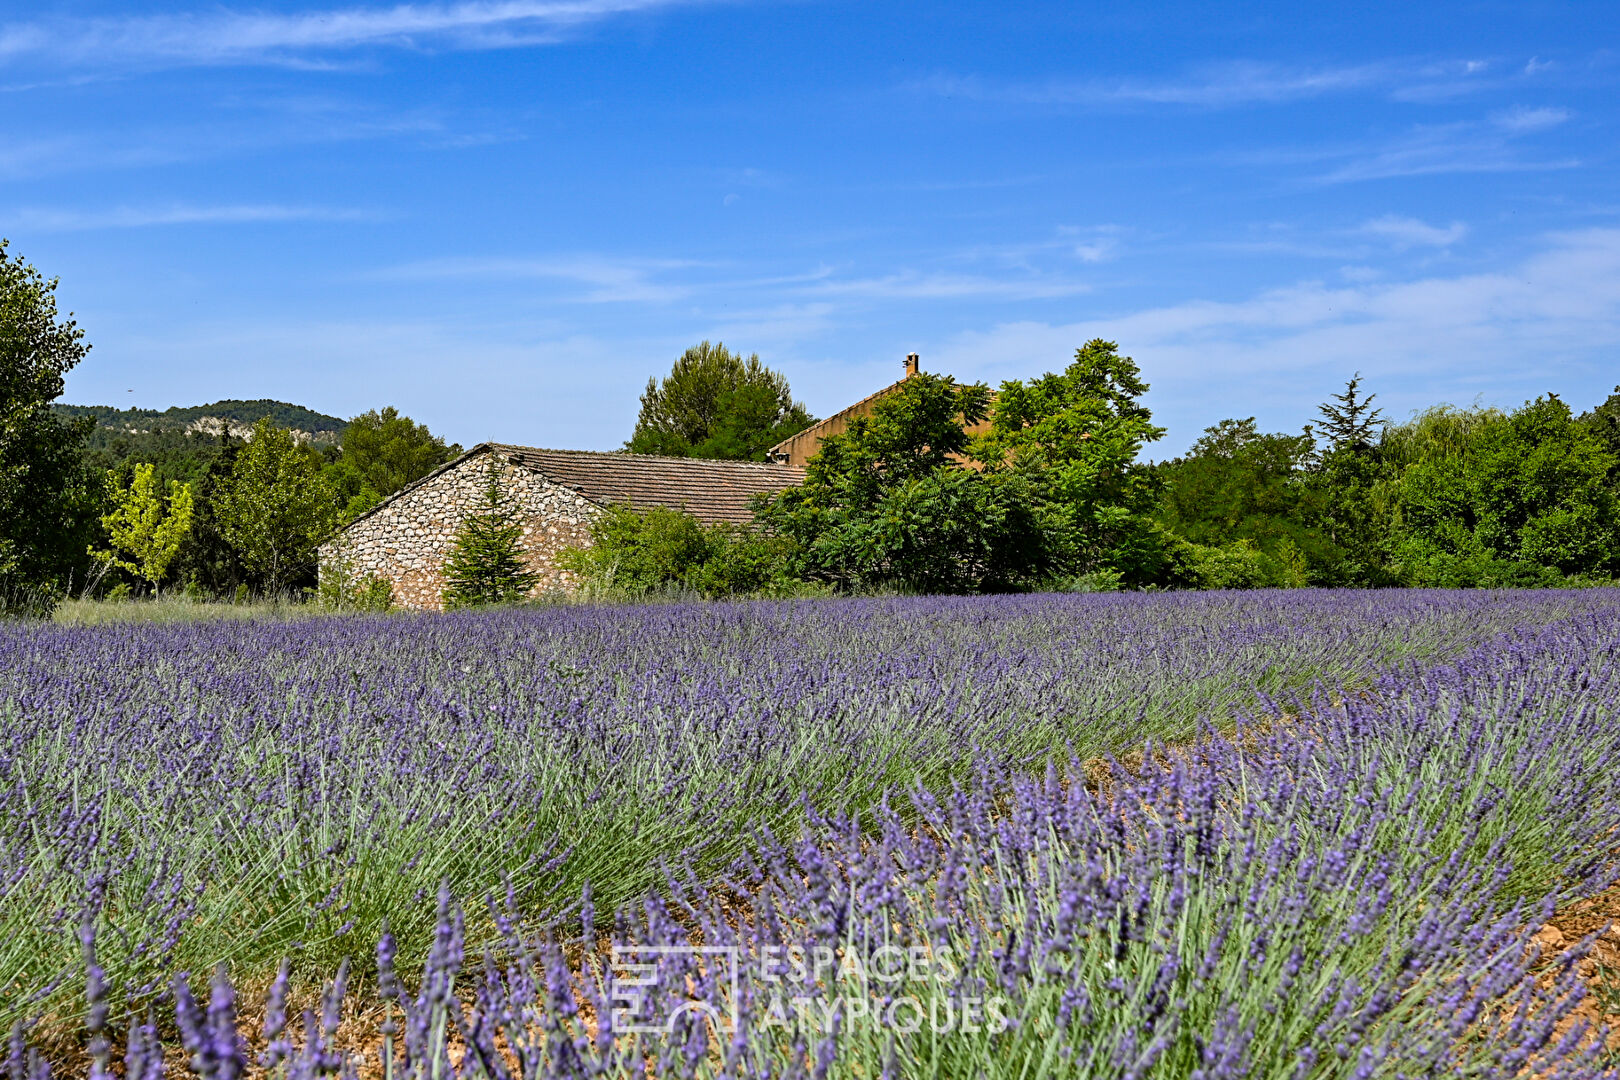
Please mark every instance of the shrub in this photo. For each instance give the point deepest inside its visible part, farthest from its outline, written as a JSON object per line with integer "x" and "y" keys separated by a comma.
{"x": 341, "y": 589}
{"x": 660, "y": 550}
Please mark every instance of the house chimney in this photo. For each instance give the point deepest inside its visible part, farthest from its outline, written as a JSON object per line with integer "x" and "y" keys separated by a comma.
{"x": 911, "y": 364}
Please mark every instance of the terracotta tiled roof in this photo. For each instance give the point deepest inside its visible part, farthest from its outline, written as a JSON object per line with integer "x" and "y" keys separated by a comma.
{"x": 711, "y": 491}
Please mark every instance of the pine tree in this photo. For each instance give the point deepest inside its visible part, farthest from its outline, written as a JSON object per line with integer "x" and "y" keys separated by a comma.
{"x": 1353, "y": 421}
{"x": 486, "y": 566}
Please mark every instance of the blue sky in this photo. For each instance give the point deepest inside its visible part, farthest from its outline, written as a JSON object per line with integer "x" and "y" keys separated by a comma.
{"x": 503, "y": 216}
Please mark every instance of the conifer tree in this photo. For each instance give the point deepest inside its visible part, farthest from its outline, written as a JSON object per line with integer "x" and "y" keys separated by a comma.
{"x": 486, "y": 565}
{"x": 1352, "y": 422}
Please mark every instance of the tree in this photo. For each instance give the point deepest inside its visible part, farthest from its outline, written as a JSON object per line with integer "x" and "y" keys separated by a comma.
{"x": 139, "y": 528}
{"x": 208, "y": 558}
{"x": 1493, "y": 499}
{"x": 47, "y": 495}
{"x": 1077, "y": 435}
{"x": 890, "y": 503}
{"x": 486, "y": 565}
{"x": 1604, "y": 422}
{"x": 637, "y": 551}
{"x": 715, "y": 404}
{"x": 1244, "y": 493}
{"x": 380, "y": 453}
{"x": 276, "y": 508}
{"x": 1353, "y": 421}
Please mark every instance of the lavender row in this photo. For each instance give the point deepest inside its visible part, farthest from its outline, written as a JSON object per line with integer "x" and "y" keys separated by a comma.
{"x": 1346, "y": 887}
{"x": 241, "y": 793}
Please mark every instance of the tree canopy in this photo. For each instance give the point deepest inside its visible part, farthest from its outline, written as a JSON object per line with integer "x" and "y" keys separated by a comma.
{"x": 1508, "y": 499}
{"x": 1077, "y": 434}
{"x": 715, "y": 404}
{"x": 47, "y": 494}
{"x": 381, "y": 452}
{"x": 891, "y": 503}
{"x": 275, "y": 507}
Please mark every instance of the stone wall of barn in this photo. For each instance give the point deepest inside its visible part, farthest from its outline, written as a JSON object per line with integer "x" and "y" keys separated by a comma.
{"x": 408, "y": 540}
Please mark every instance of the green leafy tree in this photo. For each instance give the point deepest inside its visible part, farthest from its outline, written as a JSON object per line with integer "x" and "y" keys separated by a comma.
{"x": 715, "y": 404}
{"x": 1077, "y": 435}
{"x": 1349, "y": 496}
{"x": 486, "y": 566}
{"x": 1240, "y": 496}
{"x": 380, "y": 453}
{"x": 1493, "y": 499}
{"x": 144, "y": 530}
{"x": 1604, "y": 422}
{"x": 890, "y": 503}
{"x": 275, "y": 508}
{"x": 47, "y": 496}
{"x": 1349, "y": 501}
{"x": 208, "y": 558}
{"x": 641, "y": 550}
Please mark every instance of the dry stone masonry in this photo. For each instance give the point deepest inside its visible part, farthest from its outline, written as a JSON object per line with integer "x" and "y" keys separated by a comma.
{"x": 407, "y": 539}
{"x": 555, "y": 494}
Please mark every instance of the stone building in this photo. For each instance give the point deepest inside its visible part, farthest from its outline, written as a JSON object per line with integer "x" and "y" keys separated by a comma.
{"x": 799, "y": 449}
{"x": 408, "y": 536}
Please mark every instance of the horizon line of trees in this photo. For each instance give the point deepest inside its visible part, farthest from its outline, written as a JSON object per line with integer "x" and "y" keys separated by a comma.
{"x": 130, "y": 512}
{"x": 1055, "y": 495}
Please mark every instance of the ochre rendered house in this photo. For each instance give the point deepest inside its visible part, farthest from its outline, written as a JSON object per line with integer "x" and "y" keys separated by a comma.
{"x": 800, "y": 448}
{"x": 557, "y": 493}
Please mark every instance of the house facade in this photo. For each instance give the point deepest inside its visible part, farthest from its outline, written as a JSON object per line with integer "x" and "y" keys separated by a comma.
{"x": 556, "y": 494}
{"x": 799, "y": 449}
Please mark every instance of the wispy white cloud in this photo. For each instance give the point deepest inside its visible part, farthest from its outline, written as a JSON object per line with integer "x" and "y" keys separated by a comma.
{"x": 1523, "y": 118}
{"x": 278, "y": 124}
{"x": 1560, "y": 304}
{"x": 256, "y": 37}
{"x": 1437, "y": 150}
{"x": 939, "y": 286}
{"x": 1407, "y": 232}
{"x": 1221, "y": 85}
{"x": 604, "y": 279}
{"x": 1424, "y": 150}
{"x": 131, "y": 217}
{"x": 1096, "y": 244}
{"x": 612, "y": 278}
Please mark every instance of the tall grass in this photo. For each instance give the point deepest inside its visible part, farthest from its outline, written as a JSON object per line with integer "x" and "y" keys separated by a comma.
{"x": 175, "y": 607}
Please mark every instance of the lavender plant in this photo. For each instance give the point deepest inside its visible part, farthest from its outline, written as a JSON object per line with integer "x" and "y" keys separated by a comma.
{"x": 1344, "y": 889}
{"x": 242, "y": 793}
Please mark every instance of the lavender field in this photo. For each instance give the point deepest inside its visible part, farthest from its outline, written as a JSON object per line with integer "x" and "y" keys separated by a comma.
{"x": 1354, "y": 811}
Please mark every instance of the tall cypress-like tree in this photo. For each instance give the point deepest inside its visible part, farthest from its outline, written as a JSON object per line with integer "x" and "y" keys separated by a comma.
{"x": 486, "y": 566}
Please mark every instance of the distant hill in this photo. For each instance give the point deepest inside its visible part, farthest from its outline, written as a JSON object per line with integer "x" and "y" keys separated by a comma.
{"x": 237, "y": 417}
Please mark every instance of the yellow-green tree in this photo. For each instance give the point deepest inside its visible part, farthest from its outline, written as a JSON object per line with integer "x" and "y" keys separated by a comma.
{"x": 145, "y": 534}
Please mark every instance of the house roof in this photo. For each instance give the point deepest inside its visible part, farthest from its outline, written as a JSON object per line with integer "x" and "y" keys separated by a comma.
{"x": 711, "y": 491}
